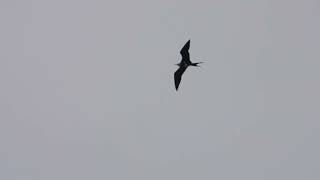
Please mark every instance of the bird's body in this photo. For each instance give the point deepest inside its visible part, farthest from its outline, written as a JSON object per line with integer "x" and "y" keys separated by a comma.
{"x": 184, "y": 64}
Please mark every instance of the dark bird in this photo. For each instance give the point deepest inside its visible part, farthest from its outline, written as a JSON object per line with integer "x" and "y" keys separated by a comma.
{"x": 184, "y": 64}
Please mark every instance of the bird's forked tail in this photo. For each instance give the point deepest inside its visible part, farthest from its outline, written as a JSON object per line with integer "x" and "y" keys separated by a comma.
{"x": 196, "y": 64}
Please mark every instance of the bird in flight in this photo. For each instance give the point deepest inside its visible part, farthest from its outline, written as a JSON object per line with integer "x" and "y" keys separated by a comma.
{"x": 184, "y": 64}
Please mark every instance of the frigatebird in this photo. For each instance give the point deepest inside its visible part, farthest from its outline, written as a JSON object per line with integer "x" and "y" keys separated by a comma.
{"x": 184, "y": 64}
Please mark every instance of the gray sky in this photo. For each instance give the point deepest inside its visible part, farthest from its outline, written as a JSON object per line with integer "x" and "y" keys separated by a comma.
{"x": 87, "y": 90}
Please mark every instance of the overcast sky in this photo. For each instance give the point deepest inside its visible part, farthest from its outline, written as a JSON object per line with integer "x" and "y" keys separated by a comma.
{"x": 87, "y": 90}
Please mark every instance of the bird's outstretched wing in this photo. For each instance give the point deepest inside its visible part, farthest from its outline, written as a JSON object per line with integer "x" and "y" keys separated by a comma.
{"x": 178, "y": 75}
{"x": 185, "y": 51}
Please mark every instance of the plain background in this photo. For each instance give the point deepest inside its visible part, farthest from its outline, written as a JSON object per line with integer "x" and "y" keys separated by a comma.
{"x": 87, "y": 92}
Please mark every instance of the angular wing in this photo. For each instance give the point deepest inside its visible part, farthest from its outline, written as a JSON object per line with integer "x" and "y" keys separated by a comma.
{"x": 178, "y": 75}
{"x": 185, "y": 52}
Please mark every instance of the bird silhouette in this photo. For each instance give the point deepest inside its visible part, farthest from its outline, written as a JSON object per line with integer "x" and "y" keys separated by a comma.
{"x": 184, "y": 64}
